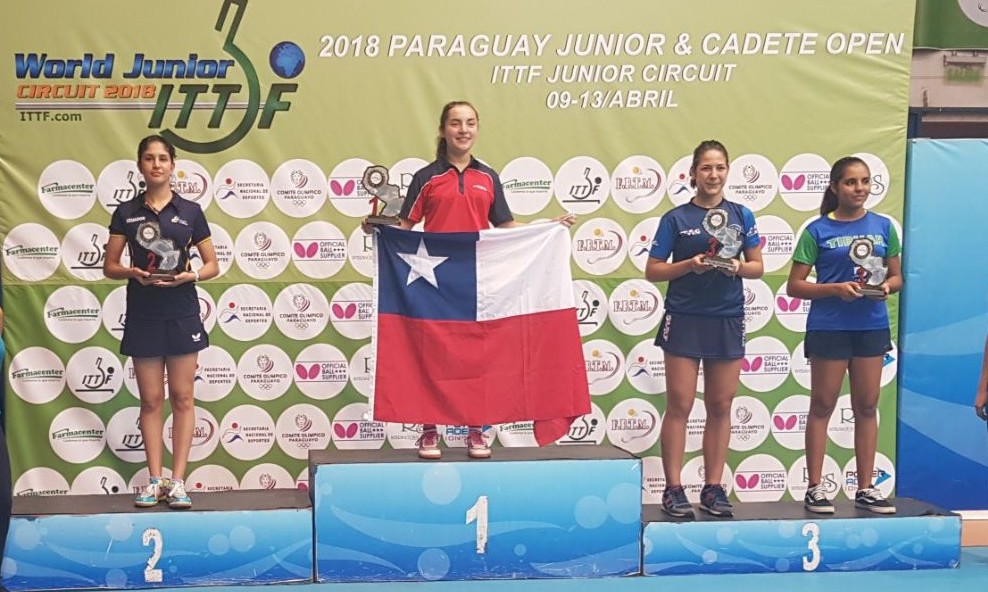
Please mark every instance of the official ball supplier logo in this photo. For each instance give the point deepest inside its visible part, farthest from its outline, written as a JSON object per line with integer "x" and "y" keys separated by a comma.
{"x": 760, "y": 478}
{"x": 321, "y": 371}
{"x": 803, "y": 180}
{"x": 319, "y": 250}
{"x": 346, "y": 192}
{"x": 353, "y": 428}
{"x": 352, "y": 311}
{"x": 789, "y": 421}
{"x": 765, "y": 365}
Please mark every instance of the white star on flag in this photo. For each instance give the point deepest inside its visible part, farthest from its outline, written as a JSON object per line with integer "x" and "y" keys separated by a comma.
{"x": 423, "y": 265}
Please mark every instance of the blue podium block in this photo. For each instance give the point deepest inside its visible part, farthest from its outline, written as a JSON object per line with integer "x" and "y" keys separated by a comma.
{"x": 98, "y": 541}
{"x": 784, "y": 537}
{"x": 526, "y": 513}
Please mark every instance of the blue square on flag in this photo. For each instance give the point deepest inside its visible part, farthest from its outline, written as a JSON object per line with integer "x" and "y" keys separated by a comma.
{"x": 428, "y": 276}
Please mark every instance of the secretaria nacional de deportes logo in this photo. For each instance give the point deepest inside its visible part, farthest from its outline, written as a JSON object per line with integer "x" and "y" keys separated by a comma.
{"x": 216, "y": 86}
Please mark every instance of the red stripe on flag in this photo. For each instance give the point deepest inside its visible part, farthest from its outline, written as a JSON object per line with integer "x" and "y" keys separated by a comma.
{"x": 527, "y": 367}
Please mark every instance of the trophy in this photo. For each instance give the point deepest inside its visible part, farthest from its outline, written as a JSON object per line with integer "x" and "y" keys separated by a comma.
{"x": 163, "y": 257}
{"x": 386, "y": 202}
{"x": 871, "y": 271}
{"x": 725, "y": 242}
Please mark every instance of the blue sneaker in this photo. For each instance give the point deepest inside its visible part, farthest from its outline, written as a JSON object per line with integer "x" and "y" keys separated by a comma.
{"x": 713, "y": 500}
{"x": 153, "y": 493}
{"x": 177, "y": 498}
{"x": 675, "y": 504}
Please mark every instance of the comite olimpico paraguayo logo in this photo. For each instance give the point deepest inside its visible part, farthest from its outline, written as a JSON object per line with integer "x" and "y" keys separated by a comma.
{"x": 195, "y": 89}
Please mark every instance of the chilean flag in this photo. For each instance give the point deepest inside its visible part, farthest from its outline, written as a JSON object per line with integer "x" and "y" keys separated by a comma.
{"x": 478, "y": 328}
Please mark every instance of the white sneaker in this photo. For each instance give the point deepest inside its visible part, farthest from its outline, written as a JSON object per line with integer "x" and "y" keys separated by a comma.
{"x": 177, "y": 498}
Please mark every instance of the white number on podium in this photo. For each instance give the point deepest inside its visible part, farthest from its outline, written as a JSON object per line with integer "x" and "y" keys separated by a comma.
{"x": 478, "y": 513}
{"x": 813, "y": 562}
{"x": 153, "y": 536}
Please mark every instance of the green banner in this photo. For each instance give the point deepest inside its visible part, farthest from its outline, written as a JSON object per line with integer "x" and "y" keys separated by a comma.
{"x": 951, "y": 24}
{"x": 276, "y": 110}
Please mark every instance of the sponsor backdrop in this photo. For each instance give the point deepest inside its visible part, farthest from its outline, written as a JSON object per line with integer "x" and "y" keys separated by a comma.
{"x": 951, "y": 24}
{"x": 277, "y": 109}
{"x": 943, "y": 446}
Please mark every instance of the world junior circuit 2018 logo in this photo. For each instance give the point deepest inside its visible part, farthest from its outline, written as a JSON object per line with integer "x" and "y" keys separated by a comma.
{"x": 205, "y": 86}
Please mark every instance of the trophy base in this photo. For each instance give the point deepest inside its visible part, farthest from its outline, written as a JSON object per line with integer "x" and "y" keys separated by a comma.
{"x": 719, "y": 262}
{"x": 163, "y": 276}
{"x": 872, "y": 291}
{"x": 383, "y": 220}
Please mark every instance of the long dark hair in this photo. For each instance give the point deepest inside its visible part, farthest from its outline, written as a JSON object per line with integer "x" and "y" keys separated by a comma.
{"x": 441, "y": 142}
{"x": 700, "y": 151}
{"x": 830, "y": 202}
{"x": 143, "y": 145}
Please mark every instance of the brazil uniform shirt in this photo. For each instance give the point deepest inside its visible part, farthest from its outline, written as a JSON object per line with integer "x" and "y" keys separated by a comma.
{"x": 160, "y": 242}
{"x": 682, "y": 235}
{"x": 826, "y": 244}
{"x": 454, "y": 201}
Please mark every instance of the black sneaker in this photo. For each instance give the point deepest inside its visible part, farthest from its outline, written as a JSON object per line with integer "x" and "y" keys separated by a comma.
{"x": 816, "y": 500}
{"x": 871, "y": 499}
{"x": 713, "y": 500}
{"x": 674, "y": 503}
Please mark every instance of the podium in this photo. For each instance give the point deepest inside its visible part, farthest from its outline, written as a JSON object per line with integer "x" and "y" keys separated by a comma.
{"x": 555, "y": 512}
{"x": 784, "y": 537}
{"x": 387, "y": 516}
{"x": 103, "y": 541}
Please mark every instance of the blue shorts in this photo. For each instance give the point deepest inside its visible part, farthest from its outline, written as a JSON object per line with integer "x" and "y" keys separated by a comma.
{"x": 154, "y": 338}
{"x": 695, "y": 336}
{"x": 844, "y": 345}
